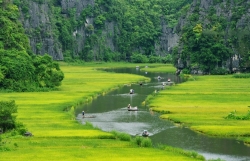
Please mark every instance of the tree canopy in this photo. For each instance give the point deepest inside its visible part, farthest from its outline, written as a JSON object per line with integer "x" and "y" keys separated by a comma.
{"x": 20, "y": 70}
{"x": 7, "y": 115}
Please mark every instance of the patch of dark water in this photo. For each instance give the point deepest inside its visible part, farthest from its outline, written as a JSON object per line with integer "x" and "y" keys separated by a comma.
{"x": 111, "y": 113}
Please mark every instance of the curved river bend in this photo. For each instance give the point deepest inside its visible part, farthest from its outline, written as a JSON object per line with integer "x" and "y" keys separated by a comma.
{"x": 111, "y": 113}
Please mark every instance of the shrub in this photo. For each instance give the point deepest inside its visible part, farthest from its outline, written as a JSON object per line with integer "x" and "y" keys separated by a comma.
{"x": 154, "y": 59}
{"x": 167, "y": 59}
{"x": 185, "y": 71}
{"x": 138, "y": 140}
{"x": 121, "y": 136}
{"x": 232, "y": 115}
{"x": 143, "y": 141}
{"x": 139, "y": 58}
{"x": 146, "y": 142}
{"x": 7, "y": 119}
{"x": 219, "y": 71}
{"x": 241, "y": 75}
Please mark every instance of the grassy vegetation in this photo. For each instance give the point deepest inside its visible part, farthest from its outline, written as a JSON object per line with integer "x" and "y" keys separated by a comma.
{"x": 58, "y": 136}
{"x": 204, "y": 102}
{"x": 163, "y": 69}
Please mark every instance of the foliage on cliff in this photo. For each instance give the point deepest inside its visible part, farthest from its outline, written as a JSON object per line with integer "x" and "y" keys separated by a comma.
{"x": 104, "y": 30}
{"x": 120, "y": 30}
{"x": 215, "y": 33}
{"x": 20, "y": 70}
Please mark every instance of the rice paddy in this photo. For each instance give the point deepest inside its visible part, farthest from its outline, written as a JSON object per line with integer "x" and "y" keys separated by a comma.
{"x": 203, "y": 103}
{"x": 49, "y": 116}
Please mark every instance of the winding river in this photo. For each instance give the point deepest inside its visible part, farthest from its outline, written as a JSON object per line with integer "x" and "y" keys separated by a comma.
{"x": 111, "y": 113}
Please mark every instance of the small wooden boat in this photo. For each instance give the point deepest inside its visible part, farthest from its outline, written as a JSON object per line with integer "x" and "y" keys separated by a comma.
{"x": 89, "y": 116}
{"x": 159, "y": 77}
{"x": 131, "y": 91}
{"x": 145, "y": 133}
{"x": 133, "y": 109}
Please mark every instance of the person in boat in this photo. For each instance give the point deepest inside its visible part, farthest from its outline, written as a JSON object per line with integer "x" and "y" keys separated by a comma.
{"x": 159, "y": 77}
{"x": 131, "y": 91}
{"x": 145, "y": 133}
{"x": 129, "y": 106}
{"x": 83, "y": 113}
{"x": 169, "y": 80}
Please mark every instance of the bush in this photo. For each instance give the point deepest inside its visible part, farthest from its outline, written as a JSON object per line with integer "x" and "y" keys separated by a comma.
{"x": 143, "y": 141}
{"x": 167, "y": 59}
{"x": 139, "y": 58}
{"x": 154, "y": 59}
{"x": 219, "y": 71}
{"x": 146, "y": 142}
{"x": 241, "y": 75}
{"x": 185, "y": 71}
{"x": 232, "y": 115}
{"x": 138, "y": 140}
{"x": 122, "y": 136}
{"x": 7, "y": 119}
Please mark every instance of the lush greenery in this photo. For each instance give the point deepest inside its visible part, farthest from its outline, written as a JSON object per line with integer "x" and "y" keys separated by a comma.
{"x": 241, "y": 75}
{"x": 203, "y": 49}
{"x": 50, "y": 116}
{"x": 205, "y": 104}
{"x": 209, "y": 42}
{"x": 7, "y": 118}
{"x": 233, "y": 115}
{"x": 135, "y": 27}
{"x": 20, "y": 70}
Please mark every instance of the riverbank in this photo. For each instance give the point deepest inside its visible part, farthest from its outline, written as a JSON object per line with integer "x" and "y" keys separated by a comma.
{"x": 203, "y": 104}
{"x": 49, "y": 116}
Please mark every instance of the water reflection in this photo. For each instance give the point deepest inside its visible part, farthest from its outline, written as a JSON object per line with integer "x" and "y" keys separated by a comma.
{"x": 111, "y": 113}
{"x": 132, "y": 122}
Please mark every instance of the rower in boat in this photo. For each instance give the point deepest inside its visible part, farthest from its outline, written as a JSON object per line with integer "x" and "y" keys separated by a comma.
{"x": 130, "y": 108}
{"x": 145, "y": 133}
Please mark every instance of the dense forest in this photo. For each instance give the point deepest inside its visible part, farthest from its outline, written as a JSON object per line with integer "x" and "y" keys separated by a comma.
{"x": 20, "y": 69}
{"x": 215, "y": 37}
{"x": 208, "y": 36}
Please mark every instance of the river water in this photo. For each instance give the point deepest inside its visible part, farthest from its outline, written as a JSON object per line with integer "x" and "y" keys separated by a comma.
{"x": 110, "y": 113}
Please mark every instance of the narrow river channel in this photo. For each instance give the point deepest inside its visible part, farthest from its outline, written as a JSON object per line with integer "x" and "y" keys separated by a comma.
{"x": 110, "y": 113}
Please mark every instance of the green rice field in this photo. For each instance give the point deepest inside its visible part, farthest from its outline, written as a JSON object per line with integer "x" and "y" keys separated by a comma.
{"x": 204, "y": 102}
{"x": 49, "y": 116}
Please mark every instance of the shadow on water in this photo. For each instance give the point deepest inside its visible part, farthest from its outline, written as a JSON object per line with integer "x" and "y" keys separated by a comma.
{"x": 110, "y": 113}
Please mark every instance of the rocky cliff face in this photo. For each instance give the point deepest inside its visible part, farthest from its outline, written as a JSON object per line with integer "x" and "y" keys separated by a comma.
{"x": 38, "y": 23}
{"x": 167, "y": 40}
{"x": 39, "y": 27}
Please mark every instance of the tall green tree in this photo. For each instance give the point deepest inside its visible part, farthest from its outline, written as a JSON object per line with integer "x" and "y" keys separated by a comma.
{"x": 203, "y": 48}
{"x": 47, "y": 72}
{"x": 7, "y": 115}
